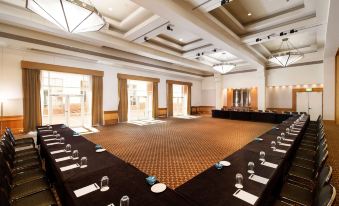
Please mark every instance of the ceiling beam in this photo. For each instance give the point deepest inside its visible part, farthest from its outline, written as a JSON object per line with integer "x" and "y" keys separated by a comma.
{"x": 180, "y": 14}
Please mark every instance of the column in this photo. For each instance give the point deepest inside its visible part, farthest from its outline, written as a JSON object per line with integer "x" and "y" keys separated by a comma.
{"x": 261, "y": 77}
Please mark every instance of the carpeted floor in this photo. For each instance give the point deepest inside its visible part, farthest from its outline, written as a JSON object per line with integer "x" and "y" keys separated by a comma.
{"x": 332, "y": 135}
{"x": 179, "y": 149}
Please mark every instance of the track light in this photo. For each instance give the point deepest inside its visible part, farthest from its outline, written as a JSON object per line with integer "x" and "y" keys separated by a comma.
{"x": 169, "y": 28}
{"x": 258, "y": 40}
{"x": 198, "y": 54}
{"x": 222, "y": 2}
{"x": 146, "y": 38}
{"x": 214, "y": 50}
{"x": 293, "y": 31}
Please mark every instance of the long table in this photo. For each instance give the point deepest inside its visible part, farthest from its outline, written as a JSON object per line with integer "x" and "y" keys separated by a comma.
{"x": 124, "y": 179}
{"x": 269, "y": 117}
{"x": 216, "y": 187}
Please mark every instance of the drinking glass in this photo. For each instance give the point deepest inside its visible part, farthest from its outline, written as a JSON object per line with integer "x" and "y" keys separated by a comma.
{"x": 50, "y": 127}
{"x": 282, "y": 135}
{"x": 68, "y": 148}
{"x": 104, "y": 184}
{"x": 238, "y": 181}
{"x": 62, "y": 140}
{"x": 287, "y": 130}
{"x": 75, "y": 155}
{"x": 278, "y": 139}
{"x": 262, "y": 156}
{"x": 57, "y": 136}
{"x": 83, "y": 162}
{"x": 124, "y": 201}
{"x": 273, "y": 144}
{"x": 55, "y": 132}
{"x": 250, "y": 167}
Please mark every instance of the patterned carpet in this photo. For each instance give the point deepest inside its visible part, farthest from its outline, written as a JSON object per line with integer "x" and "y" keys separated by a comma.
{"x": 332, "y": 135}
{"x": 179, "y": 149}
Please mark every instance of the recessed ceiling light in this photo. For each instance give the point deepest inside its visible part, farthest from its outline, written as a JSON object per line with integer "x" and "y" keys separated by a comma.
{"x": 249, "y": 14}
{"x": 110, "y": 9}
{"x": 180, "y": 39}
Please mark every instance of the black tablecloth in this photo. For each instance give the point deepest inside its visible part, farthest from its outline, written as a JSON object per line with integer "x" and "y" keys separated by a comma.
{"x": 268, "y": 117}
{"x": 216, "y": 187}
{"x": 124, "y": 178}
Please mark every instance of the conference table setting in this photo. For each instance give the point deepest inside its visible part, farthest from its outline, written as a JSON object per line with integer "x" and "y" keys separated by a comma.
{"x": 250, "y": 175}
{"x": 86, "y": 174}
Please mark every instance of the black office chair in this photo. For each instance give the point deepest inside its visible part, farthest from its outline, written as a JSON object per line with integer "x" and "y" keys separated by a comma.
{"x": 19, "y": 143}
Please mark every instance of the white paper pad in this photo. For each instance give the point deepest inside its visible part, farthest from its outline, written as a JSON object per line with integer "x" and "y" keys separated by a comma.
{"x": 69, "y": 167}
{"x": 85, "y": 190}
{"x": 245, "y": 196}
{"x": 280, "y": 150}
{"x": 45, "y": 130}
{"x": 269, "y": 164}
{"x": 63, "y": 159}
{"x": 47, "y": 140}
{"x": 49, "y": 135}
{"x": 259, "y": 179}
{"x": 284, "y": 144}
{"x": 289, "y": 140}
{"x": 42, "y": 128}
{"x": 57, "y": 151}
{"x": 294, "y": 134}
{"x": 54, "y": 143}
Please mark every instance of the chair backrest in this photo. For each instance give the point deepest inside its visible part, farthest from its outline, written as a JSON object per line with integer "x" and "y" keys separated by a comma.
{"x": 324, "y": 177}
{"x": 325, "y": 196}
{"x": 4, "y": 197}
{"x": 320, "y": 161}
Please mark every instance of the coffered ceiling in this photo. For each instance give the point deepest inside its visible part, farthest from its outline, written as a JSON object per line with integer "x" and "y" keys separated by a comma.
{"x": 197, "y": 33}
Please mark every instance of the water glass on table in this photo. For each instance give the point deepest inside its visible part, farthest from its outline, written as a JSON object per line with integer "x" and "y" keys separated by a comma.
{"x": 55, "y": 132}
{"x": 124, "y": 201}
{"x": 273, "y": 144}
{"x": 238, "y": 181}
{"x": 250, "y": 167}
{"x": 83, "y": 162}
{"x": 62, "y": 140}
{"x": 279, "y": 139}
{"x": 68, "y": 148}
{"x": 104, "y": 184}
{"x": 75, "y": 155}
{"x": 262, "y": 156}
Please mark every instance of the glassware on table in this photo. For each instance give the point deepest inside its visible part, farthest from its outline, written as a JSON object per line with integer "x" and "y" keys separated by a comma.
{"x": 282, "y": 135}
{"x": 273, "y": 144}
{"x": 238, "y": 181}
{"x": 262, "y": 156}
{"x": 250, "y": 167}
{"x": 57, "y": 136}
{"x": 50, "y": 127}
{"x": 287, "y": 130}
{"x": 55, "y": 132}
{"x": 75, "y": 155}
{"x": 62, "y": 140}
{"x": 83, "y": 162}
{"x": 124, "y": 201}
{"x": 68, "y": 148}
{"x": 279, "y": 139}
{"x": 104, "y": 184}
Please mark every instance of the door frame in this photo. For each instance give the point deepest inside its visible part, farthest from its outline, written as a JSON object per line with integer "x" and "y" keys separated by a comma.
{"x": 294, "y": 97}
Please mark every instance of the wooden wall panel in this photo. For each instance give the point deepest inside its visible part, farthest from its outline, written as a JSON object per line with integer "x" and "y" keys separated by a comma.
{"x": 229, "y": 97}
{"x": 336, "y": 89}
{"x": 254, "y": 98}
{"x": 111, "y": 117}
{"x": 13, "y": 122}
{"x": 162, "y": 112}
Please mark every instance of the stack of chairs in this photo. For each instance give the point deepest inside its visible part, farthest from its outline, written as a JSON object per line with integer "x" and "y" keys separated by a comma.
{"x": 308, "y": 179}
{"x": 22, "y": 180}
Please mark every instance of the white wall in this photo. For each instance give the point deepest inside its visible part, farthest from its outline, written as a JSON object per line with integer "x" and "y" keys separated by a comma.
{"x": 208, "y": 93}
{"x": 329, "y": 88}
{"x": 279, "y": 97}
{"x": 11, "y": 78}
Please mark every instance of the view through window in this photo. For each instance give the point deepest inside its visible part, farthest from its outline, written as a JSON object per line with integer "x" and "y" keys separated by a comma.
{"x": 179, "y": 100}
{"x": 140, "y": 100}
{"x": 66, "y": 99}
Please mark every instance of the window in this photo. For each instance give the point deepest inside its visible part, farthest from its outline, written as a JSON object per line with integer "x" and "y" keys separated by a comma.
{"x": 179, "y": 100}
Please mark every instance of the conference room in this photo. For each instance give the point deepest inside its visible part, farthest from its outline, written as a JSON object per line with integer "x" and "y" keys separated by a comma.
{"x": 169, "y": 102}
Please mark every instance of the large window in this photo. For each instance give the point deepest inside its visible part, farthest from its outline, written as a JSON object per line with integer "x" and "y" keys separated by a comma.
{"x": 179, "y": 100}
{"x": 140, "y": 100}
{"x": 66, "y": 99}
{"x": 241, "y": 98}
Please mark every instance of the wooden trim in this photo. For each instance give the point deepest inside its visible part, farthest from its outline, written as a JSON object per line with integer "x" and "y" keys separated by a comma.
{"x": 178, "y": 82}
{"x": 329, "y": 121}
{"x": 13, "y": 122}
{"x": 294, "y": 97}
{"x": 336, "y": 87}
{"x": 111, "y": 117}
{"x": 162, "y": 112}
{"x": 59, "y": 68}
{"x": 134, "y": 77}
{"x": 280, "y": 109}
{"x": 202, "y": 109}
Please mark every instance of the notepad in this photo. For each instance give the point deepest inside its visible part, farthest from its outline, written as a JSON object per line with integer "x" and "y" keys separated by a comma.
{"x": 63, "y": 159}
{"x": 280, "y": 150}
{"x": 49, "y": 135}
{"x": 284, "y": 144}
{"x": 45, "y": 130}
{"x": 269, "y": 164}
{"x": 54, "y": 143}
{"x": 47, "y": 140}
{"x": 289, "y": 140}
{"x": 85, "y": 190}
{"x": 258, "y": 178}
{"x": 294, "y": 134}
{"x": 245, "y": 196}
{"x": 57, "y": 151}
{"x": 69, "y": 167}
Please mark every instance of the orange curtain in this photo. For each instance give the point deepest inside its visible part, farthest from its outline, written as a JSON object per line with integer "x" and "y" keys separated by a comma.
{"x": 31, "y": 85}
{"x": 169, "y": 99}
{"x": 123, "y": 100}
{"x": 97, "y": 101}
{"x": 189, "y": 99}
{"x": 155, "y": 100}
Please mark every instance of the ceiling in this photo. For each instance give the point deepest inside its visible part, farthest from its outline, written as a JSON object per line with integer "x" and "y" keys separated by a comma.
{"x": 201, "y": 33}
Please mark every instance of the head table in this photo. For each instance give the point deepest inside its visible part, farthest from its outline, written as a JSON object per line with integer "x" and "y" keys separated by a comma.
{"x": 211, "y": 187}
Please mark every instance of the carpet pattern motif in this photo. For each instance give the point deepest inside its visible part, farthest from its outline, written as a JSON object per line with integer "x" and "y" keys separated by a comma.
{"x": 179, "y": 149}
